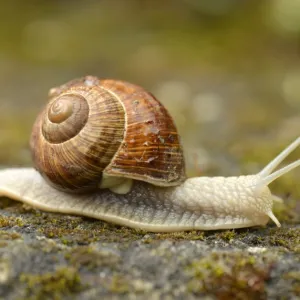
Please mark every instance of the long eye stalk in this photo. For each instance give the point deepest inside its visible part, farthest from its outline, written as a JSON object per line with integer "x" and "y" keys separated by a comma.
{"x": 268, "y": 169}
{"x": 270, "y": 178}
{"x": 266, "y": 174}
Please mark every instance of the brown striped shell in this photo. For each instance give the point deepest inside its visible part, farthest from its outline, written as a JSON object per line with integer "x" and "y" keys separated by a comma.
{"x": 92, "y": 127}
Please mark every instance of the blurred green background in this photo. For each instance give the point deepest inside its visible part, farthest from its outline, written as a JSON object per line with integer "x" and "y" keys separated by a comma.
{"x": 227, "y": 70}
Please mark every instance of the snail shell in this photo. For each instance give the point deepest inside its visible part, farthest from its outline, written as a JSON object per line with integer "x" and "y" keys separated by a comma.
{"x": 93, "y": 129}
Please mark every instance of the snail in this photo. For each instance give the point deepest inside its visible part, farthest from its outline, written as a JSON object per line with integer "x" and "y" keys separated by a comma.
{"x": 109, "y": 150}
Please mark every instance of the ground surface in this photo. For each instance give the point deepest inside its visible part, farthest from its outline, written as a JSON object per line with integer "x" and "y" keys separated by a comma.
{"x": 51, "y": 256}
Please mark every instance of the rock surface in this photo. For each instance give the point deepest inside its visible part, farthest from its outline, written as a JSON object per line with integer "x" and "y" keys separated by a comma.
{"x": 52, "y": 256}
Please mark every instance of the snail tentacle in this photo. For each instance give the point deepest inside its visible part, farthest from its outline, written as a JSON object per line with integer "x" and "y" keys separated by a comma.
{"x": 269, "y": 168}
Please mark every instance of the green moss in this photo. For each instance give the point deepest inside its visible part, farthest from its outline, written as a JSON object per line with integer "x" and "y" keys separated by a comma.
{"x": 5, "y": 221}
{"x": 175, "y": 236}
{"x": 227, "y": 235}
{"x": 287, "y": 238}
{"x": 119, "y": 285}
{"x": 91, "y": 258}
{"x": 72, "y": 230}
{"x": 229, "y": 275}
{"x": 5, "y": 235}
{"x": 10, "y": 222}
{"x": 53, "y": 285}
{"x": 190, "y": 235}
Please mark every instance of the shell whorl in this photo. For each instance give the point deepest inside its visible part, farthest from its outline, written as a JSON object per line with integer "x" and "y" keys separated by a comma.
{"x": 92, "y": 127}
{"x": 72, "y": 151}
{"x": 66, "y": 116}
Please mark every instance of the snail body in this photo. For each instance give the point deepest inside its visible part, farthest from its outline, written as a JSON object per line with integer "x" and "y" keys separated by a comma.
{"x": 196, "y": 204}
{"x": 137, "y": 177}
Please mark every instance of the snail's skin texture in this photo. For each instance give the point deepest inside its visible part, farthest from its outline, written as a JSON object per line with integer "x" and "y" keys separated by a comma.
{"x": 206, "y": 203}
{"x": 148, "y": 207}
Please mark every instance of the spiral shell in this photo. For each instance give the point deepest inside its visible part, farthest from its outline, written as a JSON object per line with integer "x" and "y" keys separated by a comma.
{"x": 92, "y": 127}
